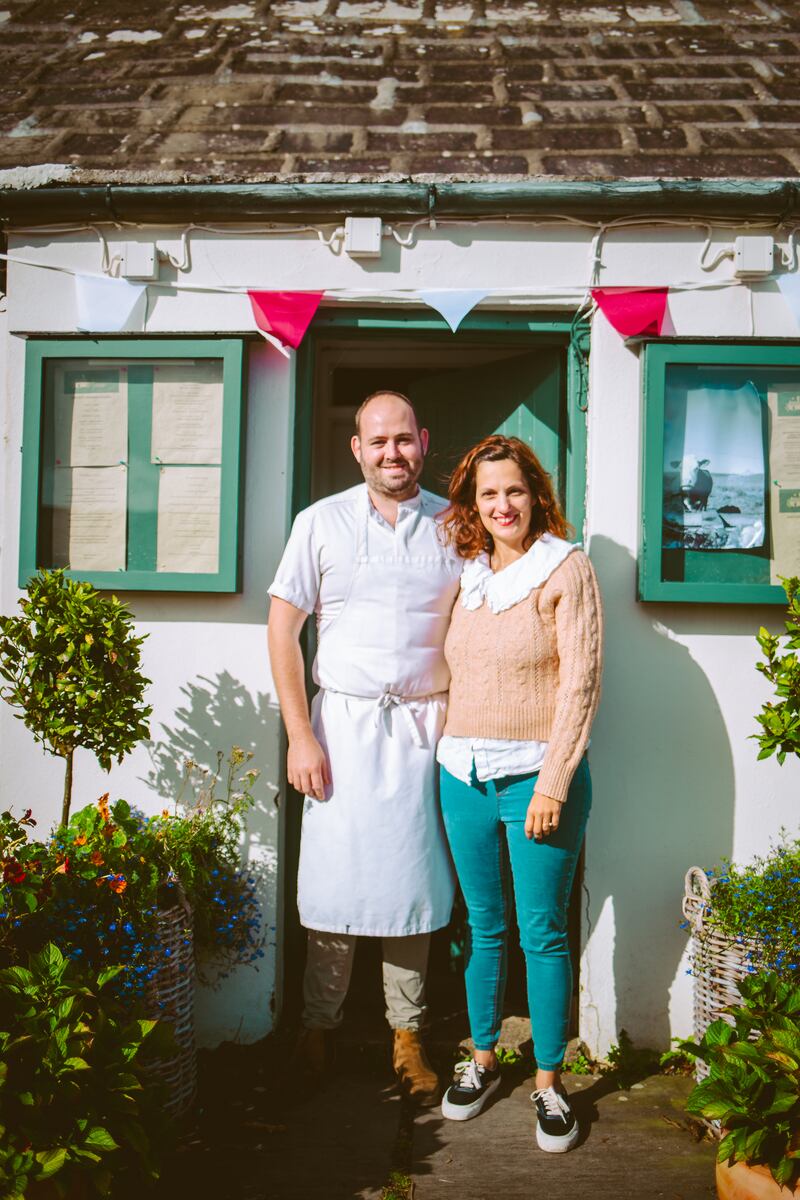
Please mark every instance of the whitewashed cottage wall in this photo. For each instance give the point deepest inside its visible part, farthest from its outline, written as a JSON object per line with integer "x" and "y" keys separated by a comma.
{"x": 676, "y": 778}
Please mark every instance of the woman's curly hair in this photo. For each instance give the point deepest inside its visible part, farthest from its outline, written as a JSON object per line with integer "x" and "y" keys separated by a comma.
{"x": 461, "y": 523}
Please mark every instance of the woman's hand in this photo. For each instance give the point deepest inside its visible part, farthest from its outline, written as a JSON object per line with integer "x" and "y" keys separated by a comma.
{"x": 543, "y": 816}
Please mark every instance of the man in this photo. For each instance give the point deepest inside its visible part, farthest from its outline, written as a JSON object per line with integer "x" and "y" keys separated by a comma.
{"x": 373, "y": 859}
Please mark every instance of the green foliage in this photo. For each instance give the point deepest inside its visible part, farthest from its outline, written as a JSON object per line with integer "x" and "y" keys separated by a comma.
{"x": 398, "y": 1187}
{"x": 580, "y": 1065}
{"x": 73, "y": 1095}
{"x": 753, "y": 1088}
{"x": 97, "y": 887}
{"x": 760, "y": 903}
{"x": 676, "y": 1061}
{"x": 72, "y": 665}
{"x": 628, "y": 1063}
{"x": 780, "y": 721}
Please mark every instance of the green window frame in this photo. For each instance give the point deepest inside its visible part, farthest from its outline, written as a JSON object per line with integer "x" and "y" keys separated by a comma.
{"x": 142, "y": 474}
{"x": 739, "y": 576}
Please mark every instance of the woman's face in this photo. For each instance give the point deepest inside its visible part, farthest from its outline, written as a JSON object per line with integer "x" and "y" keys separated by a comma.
{"x": 504, "y": 502}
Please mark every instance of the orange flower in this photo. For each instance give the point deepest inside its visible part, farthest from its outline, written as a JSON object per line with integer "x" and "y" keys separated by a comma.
{"x": 165, "y": 812}
{"x": 96, "y": 858}
{"x": 117, "y": 883}
{"x": 80, "y": 840}
{"x": 62, "y": 868}
{"x": 102, "y": 804}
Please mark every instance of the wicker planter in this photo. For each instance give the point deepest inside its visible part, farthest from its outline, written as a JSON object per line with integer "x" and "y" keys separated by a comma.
{"x": 717, "y": 962}
{"x": 170, "y": 996}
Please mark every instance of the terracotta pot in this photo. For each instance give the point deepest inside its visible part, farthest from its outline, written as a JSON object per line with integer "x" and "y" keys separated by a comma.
{"x": 743, "y": 1182}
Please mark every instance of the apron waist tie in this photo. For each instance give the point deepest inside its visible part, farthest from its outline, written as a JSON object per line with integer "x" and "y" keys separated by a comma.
{"x": 387, "y": 701}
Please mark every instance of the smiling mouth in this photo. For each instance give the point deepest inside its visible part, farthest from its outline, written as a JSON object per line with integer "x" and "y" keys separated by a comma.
{"x": 506, "y": 520}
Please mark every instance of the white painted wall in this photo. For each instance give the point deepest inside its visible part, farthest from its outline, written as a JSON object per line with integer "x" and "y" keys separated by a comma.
{"x": 676, "y": 779}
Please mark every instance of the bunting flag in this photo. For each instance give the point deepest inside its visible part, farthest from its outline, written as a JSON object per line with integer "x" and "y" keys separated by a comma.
{"x": 790, "y": 290}
{"x": 284, "y": 315}
{"x": 453, "y": 304}
{"x": 107, "y": 305}
{"x": 633, "y": 310}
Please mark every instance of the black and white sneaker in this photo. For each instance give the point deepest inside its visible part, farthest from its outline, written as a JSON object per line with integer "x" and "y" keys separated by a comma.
{"x": 556, "y": 1129}
{"x": 466, "y": 1096}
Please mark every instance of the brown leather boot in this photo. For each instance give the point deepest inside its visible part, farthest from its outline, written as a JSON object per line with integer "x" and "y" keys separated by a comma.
{"x": 417, "y": 1077}
{"x": 313, "y": 1053}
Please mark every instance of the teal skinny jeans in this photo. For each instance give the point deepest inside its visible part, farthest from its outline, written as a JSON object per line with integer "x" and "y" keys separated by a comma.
{"x": 477, "y": 817}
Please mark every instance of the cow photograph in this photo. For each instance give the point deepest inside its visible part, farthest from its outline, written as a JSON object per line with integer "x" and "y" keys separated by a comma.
{"x": 713, "y": 467}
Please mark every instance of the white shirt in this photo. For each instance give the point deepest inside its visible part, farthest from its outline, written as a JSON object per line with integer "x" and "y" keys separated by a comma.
{"x": 316, "y": 572}
{"x": 493, "y": 758}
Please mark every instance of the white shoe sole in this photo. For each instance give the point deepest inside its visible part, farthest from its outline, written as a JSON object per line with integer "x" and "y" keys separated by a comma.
{"x": 554, "y": 1144}
{"x": 463, "y": 1112}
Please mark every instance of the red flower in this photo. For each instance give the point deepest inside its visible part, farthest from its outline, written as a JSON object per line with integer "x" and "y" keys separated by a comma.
{"x": 96, "y": 858}
{"x": 13, "y": 872}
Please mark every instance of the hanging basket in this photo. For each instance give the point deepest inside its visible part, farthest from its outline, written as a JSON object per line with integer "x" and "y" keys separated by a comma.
{"x": 170, "y": 997}
{"x": 718, "y": 962}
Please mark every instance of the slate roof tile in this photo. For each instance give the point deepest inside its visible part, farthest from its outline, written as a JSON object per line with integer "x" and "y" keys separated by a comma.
{"x": 228, "y": 91}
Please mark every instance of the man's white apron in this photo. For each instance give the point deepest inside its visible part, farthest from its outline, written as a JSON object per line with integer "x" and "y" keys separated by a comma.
{"x": 373, "y": 856}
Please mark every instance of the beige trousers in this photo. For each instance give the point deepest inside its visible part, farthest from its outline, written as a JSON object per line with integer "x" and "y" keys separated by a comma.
{"x": 329, "y": 964}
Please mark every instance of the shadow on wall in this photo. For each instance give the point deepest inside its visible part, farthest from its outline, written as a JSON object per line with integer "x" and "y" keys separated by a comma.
{"x": 663, "y": 776}
{"x": 219, "y": 713}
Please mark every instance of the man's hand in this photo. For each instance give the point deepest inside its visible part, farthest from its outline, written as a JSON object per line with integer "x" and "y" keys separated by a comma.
{"x": 307, "y": 767}
{"x": 543, "y": 816}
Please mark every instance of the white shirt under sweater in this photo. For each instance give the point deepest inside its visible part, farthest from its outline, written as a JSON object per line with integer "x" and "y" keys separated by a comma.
{"x": 493, "y": 758}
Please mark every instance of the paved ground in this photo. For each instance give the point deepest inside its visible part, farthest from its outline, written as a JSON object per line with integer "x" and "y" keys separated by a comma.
{"x": 259, "y": 1140}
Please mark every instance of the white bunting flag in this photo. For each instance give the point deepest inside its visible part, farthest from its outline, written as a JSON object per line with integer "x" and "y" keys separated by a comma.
{"x": 453, "y": 304}
{"x": 790, "y": 290}
{"x": 107, "y": 305}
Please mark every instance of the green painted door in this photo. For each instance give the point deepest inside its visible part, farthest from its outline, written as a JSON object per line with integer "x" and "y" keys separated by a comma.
{"x": 519, "y": 396}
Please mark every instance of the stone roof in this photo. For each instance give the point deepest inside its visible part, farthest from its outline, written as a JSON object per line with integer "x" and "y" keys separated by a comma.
{"x": 153, "y": 91}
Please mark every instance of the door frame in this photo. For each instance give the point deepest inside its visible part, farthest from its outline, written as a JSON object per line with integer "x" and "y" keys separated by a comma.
{"x": 528, "y": 330}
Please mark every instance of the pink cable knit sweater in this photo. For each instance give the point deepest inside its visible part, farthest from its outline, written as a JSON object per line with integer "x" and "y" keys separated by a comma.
{"x": 532, "y": 671}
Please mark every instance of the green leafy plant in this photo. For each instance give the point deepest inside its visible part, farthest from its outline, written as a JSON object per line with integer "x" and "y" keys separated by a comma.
{"x": 627, "y": 1063}
{"x": 72, "y": 665}
{"x": 780, "y": 721}
{"x": 753, "y": 1088}
{"x": 74, "y": 1094}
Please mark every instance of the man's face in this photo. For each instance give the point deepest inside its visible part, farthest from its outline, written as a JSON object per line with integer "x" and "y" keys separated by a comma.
{"x": 390, "y": 449}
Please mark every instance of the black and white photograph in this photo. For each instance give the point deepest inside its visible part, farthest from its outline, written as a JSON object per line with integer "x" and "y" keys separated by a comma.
{"x": 713, "y": 468}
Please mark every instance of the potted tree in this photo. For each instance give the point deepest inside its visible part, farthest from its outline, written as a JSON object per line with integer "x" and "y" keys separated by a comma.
{"x": 753, "y": 1090}
{"x": 72, "y": 666}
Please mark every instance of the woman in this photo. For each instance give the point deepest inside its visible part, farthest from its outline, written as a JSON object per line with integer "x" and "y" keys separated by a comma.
{"x": 524, "y": 651}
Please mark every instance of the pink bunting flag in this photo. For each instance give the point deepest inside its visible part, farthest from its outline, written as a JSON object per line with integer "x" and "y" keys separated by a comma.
{"x": 284, "y": 315}
{"x": 633, "y": 310}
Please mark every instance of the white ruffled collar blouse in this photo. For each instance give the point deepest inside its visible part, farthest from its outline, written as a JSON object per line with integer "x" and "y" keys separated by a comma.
{"x": 503, "y": 589}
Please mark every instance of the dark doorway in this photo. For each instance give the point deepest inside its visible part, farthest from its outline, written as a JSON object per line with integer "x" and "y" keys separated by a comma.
{"x": 463, "y": 389}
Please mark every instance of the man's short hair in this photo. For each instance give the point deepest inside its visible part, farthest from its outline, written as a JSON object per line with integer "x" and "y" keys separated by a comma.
{"x": 384, "y": 392}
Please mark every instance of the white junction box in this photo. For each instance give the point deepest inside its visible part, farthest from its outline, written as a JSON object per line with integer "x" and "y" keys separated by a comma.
{"x": 753, "y": 256}
{"x": 362, "y": 237}
{"x": 138, "y": 261}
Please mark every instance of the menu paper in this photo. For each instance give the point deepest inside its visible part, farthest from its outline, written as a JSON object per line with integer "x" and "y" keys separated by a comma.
{"x": 188, "y": 520}
{"x": 784, "y": 491}
{"x": 187, "y": 413}
{"x": 89, "y": 518}
{"x": 91, "y": 419}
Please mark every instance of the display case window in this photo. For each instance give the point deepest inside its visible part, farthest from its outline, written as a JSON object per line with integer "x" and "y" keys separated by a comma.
{"x": 721, "y": 519}
{"x": 132, "y": 463}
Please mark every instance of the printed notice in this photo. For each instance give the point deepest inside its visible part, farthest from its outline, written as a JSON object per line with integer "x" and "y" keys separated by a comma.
{"x": 89, "y": 518}
{"x": 187, "y": 413}
{"x": 91, "y": 419}
{"x": 188, "y": 519}
{"x": 784, "y": 469}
